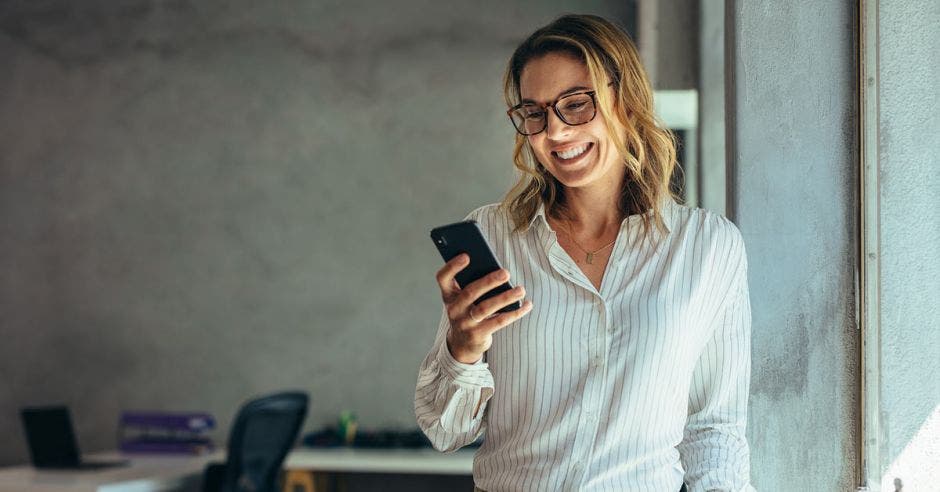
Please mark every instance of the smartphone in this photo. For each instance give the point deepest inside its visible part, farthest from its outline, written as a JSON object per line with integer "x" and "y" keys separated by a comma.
{"x": 466, "y": 237}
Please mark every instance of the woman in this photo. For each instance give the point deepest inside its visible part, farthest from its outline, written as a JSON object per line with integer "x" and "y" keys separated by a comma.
{"x": 627, "y": 367}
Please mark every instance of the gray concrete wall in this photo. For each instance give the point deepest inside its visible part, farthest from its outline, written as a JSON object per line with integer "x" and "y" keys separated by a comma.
{"x": 677, "y": 44}
{"x": 204, "y": 201}
{"x": 792, "y": 113}
{"x": 909, "y": 142}
{"x": 667, "y": 38}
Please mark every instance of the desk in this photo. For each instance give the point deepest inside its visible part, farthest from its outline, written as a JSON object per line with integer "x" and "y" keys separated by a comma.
{"x": 161, "y": 473}
{"x": 144, "y": 473}
{"x": 307, "y": 467}
{"x": 414, "y": 461}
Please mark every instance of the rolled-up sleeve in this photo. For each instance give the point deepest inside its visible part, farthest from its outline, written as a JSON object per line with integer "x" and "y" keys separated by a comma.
{"x": 451, "y": 397}
{"x": 714, "y": 449}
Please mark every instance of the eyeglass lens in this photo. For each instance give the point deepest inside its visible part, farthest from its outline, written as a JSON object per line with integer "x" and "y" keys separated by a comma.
{"x": 576, "y": 109}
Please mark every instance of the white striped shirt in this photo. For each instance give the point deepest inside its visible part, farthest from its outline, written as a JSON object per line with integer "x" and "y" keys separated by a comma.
{"x": 634, "y": 387}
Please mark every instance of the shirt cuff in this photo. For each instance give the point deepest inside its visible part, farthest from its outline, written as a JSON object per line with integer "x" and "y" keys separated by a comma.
{"x": 476, "y": 374}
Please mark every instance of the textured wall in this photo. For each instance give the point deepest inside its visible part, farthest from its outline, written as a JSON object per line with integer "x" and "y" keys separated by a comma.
{"x": 677, "y": 30}
{"x": 909, "y": 130}
{"x": 668, "y": 41}
{"x": 203, "y": 201}
{"x": 792, "y": 118}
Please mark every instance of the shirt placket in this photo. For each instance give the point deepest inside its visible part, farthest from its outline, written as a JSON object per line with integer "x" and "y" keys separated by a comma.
{"x": 598, "y": 340}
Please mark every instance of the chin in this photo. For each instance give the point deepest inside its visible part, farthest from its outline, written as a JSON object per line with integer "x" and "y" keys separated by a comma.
{"x": 573, "y": 183}
{"x": 576, "y": 178}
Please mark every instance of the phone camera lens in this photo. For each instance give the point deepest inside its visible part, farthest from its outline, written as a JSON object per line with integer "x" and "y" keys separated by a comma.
{"x": 441, "y": 241}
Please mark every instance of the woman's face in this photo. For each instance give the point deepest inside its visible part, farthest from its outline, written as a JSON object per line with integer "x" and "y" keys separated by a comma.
{"x": 577, "y": 156}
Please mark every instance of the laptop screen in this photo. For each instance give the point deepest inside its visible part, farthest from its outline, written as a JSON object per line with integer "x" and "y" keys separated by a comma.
{"x": 50, "y": 436}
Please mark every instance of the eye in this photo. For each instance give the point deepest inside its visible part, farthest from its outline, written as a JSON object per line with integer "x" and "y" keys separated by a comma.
{"x": 574, "y": 105}
{"x": 534, "y": 114}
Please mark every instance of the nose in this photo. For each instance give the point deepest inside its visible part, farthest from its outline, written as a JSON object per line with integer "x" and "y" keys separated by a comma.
{"x": 554, "y": 126}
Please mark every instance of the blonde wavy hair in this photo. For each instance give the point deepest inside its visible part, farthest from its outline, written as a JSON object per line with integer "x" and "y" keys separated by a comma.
{"x": 648, "y": 149}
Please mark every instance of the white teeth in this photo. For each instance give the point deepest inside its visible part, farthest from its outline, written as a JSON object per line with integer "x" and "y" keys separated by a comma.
{"x": 572, "y": 153}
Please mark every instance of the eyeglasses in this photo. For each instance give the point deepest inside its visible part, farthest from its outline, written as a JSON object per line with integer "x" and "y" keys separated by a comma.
{"x": 573, "y": 109}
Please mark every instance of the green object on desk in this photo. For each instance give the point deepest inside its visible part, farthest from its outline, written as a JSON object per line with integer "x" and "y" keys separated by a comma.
{"x": 347, "y": 427}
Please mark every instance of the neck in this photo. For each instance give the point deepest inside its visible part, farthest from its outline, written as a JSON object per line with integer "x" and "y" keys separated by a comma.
{"x": 595, "y": 210}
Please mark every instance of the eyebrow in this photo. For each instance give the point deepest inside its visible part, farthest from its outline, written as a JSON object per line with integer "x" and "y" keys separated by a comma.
{"x": 560, "y": 94}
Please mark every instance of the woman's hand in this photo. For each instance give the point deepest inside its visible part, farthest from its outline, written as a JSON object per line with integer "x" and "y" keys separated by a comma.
{"x": 472, "y": 326}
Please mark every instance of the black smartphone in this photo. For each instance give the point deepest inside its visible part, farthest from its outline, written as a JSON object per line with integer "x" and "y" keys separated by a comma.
{"x": 466, "y": 237}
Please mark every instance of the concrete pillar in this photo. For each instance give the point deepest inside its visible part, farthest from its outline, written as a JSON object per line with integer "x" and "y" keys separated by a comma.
{"x": 792, "y": 123}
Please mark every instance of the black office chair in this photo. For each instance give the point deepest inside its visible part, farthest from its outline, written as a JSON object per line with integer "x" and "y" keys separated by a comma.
{"x": 263, "y": 432}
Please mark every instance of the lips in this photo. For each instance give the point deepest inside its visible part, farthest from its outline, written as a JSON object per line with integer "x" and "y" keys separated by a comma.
{"x": 572, "y": 154}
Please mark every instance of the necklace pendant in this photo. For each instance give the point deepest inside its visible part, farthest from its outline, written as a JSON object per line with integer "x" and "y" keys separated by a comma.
{"x": 589, "y": 258}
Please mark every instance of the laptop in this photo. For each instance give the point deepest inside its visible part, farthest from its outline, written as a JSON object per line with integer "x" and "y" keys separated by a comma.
{"x": 52, "y": 441}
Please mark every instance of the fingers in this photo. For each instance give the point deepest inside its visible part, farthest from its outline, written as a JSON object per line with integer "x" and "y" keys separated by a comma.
{"x": 472, "y": 330}
{"x": 490, "y": 306}
{"x": 445, "y": 276}
{"x": 468, "y": 340}
{"x": 481, "y": 286}
{"x": 501, "y": 320}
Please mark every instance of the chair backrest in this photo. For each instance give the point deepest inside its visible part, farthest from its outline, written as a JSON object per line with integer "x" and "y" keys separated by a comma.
{"x": 264, "y": 431}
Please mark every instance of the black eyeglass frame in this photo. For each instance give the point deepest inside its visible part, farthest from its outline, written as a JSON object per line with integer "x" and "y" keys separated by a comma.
{"x": 554, "y": 107}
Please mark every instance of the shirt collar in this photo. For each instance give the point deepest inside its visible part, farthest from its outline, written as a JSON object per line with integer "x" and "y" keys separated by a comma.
{"x": 538, "y": 217}
{"x": 667, "y": 210}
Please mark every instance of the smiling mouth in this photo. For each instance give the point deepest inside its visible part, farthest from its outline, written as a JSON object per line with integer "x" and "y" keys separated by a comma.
{"x": 573, "y": 154}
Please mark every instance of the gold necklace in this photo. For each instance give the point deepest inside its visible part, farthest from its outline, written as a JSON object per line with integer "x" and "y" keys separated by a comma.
{"x": 588, "y": 255}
